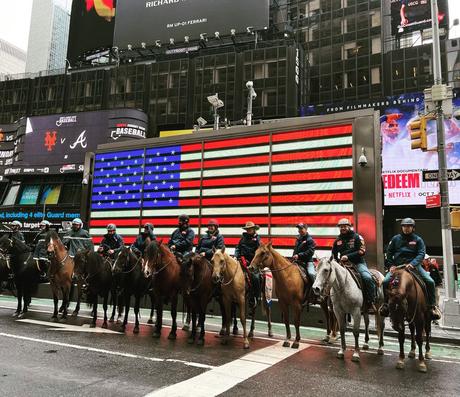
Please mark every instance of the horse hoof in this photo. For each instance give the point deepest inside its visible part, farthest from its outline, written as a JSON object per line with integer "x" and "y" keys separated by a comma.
{"x": 235, "y": 331}
{"x": 251, "y": 334}
{"x": 15, "y": 314}
{"x": 150, "y": 321}
{"x": 111, "y": 320}
{"x": 428, "y": 356}
{"x": 365, "y": 346}
{"x": 355, "y": 357}
{"x": 295, "y": 345}
{"x": 123, "y": 328}
{"x": 411, "y": 354}
{"x": 270, "y": 334}
{"x": 136, "y": 330}
{"x": 222, "y": 332}
{"x": 340, "y": 355}
{"x": 326, "y": 339}
{"x": 92, "y": 325}
{"x": 172, "y": 336}
{"x": 74, "y": 313}
{"x": 64, "y": 317}
{"x": 61, "y": 309}
{"x": 246, "y": 345}
{"x": 21, "y": 315}
{"x": 332, "y": 339}
{"x": 104, "y": 324}
{"x": 400, "y": 365}
{"x": 200, "y": 342}
{"x": 186, "y": 327}
{"x": 286, "y": 344}
{"x": 54, "y": 317}
{"x": 422, "y": 367}
{"x": 380, "y": 351}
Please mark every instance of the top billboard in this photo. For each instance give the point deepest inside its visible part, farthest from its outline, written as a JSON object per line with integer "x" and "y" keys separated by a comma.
{"x": 146, "y": 21}
{"x": 411, "y": 15}
{"x": 91, "y": 27}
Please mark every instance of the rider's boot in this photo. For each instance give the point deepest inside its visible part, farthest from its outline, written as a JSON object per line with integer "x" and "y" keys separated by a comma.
{"x": 435, "y": 313}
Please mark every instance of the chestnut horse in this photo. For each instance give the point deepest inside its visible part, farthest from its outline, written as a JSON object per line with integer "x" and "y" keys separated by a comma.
{"x": 60, "y": 271}
{"x": 407, "y": 302}
{"x": 162, "y": 267}
{"x": 228, "y": 273}
{"x": 197, "y": 292}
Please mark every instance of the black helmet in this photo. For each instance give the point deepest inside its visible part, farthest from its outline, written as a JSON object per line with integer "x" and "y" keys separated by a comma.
{"x": 184, "y": 218}
{"x": 408, "y": 222}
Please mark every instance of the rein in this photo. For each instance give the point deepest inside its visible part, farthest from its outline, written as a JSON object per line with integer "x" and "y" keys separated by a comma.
{"x": 231, "y": 280}
{"x": 198, "y": 286}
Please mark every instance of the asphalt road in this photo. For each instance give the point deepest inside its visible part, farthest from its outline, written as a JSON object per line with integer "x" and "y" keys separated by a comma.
{"x": 42, "y": 358}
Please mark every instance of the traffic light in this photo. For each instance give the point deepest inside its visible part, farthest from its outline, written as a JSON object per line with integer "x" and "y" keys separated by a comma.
{"x": 417, "y": 130}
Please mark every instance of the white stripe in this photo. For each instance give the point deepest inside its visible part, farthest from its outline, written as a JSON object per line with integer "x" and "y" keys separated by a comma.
{"x": 190, "y": 156}
{"x": 315, "y": 208}
{"x": 312, "y": 165}
{"x": 190, "y": 175}
{"x": 246, "y": 151}
{"x": 108, "y": 352}
{"x": 287, "y": 252}
{"x": 263, "y": 169}
{"x": 123, "y": 231}
{"x": 312, "y": 144}
{"x": 116, "y": 214}
{"x": 314, "y": 231}
{"x": 235, "y": 191}
{"x": 234, "y": 211}
{"x": 223, "y": 378}
{"x": 171, "y": 212}
{"x": 189, "y": 193}
{"x": 312, "y": 187}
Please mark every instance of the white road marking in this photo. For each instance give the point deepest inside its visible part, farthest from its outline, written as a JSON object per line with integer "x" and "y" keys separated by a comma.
{"x": 223, "y": 378}
{"x": 108, "y": 352}
{"x": 69, "y": 327}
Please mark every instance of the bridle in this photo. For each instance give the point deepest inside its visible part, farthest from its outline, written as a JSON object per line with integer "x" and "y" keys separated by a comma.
{"x": 405, "y": 299}
{"x": 126, "y": 263}
{"x": 328, "y": 287}
{"x": 53, "y": 247}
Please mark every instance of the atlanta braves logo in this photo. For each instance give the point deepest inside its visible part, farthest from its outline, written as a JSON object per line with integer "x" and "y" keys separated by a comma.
{"x": 50, "y": 140}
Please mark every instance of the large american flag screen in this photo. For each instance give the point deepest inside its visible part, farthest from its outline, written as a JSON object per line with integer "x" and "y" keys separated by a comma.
{"x": 274, "y": 179}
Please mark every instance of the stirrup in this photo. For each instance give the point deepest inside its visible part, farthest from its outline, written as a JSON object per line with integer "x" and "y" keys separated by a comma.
{"x": 435, "y": 313}
{"x": 384, "y": 310}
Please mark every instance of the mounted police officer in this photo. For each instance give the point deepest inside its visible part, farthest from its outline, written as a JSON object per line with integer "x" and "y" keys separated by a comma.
{"x": 245, "y": 252}
{"x": 407, "y": 248}
{"x": 40, "y": 251}
{"x": 350, "y": 246}
{"x": 15, "y": 232}
{"x": 112, "y": 242}
{"x": 304, "y": 250}
{"x": 211, "y": 240}
{"x": 77, "y": 238}
{"x": 181, "y": 241}
{"x": 143, "y": 239}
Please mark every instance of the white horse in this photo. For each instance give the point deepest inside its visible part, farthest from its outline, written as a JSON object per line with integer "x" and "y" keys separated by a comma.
{"x": 347, "y": 298}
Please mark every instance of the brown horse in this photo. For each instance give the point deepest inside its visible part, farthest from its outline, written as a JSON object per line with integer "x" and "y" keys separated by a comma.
{"x": 197, "y": 293}
{"x": 161, "y": 266}
{"x": 289, "y": 286}
{"x": 60, "y": 271}
{"x": 228, "y": 273}
{"x": 407, "y": 302}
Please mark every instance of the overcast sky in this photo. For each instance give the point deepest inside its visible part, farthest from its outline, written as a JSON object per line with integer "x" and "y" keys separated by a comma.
{"x": 15, "y": 20}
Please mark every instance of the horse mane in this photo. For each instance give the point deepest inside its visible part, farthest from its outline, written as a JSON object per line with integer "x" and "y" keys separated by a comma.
{"x": 278, "y": 257}
{"x": 52, "y": 234}
{"x": 22, "y": 246}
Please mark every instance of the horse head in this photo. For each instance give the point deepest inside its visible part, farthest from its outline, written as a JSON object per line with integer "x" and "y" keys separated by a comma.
{"x": 53, "y": 243}
{"x": 397, "y": 298}
{"x": 152, "y": 258}
{"x": 263, "y": 257}
{"x": 6, "y": 244}
{"x": 325, "y": 276}
{"x": 122, "y": 261}
{"x": 81, "y": 262}
{"x": 218, "y": 265}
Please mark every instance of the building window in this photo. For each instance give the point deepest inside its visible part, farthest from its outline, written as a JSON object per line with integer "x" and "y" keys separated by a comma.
{"x": 50, "y": 194}
{"x": 29, "y": 194}
{"x": 376, "y": 45}
{"x": 70, "y": 194}
{"x": 375, "y": 19}
{"x": 375, "y": 75}
{"x": 10, "y": 198}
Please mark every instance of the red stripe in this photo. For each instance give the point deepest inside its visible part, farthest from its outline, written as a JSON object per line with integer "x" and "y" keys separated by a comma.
{"x": 193, "y": 147}
{"x": 195, "y": 202}
{"x": 313, "y": 133}
{"x": 290, "y": 241}
{"x": 313, "y": 176}
{"x": 229, "y": 143}
{"x": 127, "y": 240}
{"x": 262, "y": 160}
{"x": 313, "y": 198}
{"x": 118, "y": 222}
{"x": 189, "y": 184}
{"x": 329, "y": 220}
{"x": 236, "y": 181}
{"x": 191, "y": 165}
{"x": 207, "y": 202}
{"x": 313, "y": 154}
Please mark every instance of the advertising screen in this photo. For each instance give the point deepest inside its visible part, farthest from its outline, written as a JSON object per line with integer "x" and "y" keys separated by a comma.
{"x": 411, "y": 15}
{"x": 92, "y": 25}
{"x": 409, "y": 176}
{"x": 150, "y": 20}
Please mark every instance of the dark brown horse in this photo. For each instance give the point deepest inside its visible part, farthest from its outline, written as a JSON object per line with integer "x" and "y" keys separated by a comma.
{"x": 60, "y": 271}
{"x": 197, "y": 291}
{"x": 161, "y": 267}
{"x": 407, "y": 302}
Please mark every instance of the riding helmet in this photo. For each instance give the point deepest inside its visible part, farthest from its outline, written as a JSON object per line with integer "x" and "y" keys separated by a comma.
{"x": 408, "y": 221}
{"x": 45, "y": 223}
{"x": 301, "y": 225}
{"x": 111, "y": 226}
{"x": 344, "y": 222}
{"x": 16, "y": 223}
{"x": 184, "y": 218}
{"x": 213, "y": 222}
{"x": 77, "y": 221}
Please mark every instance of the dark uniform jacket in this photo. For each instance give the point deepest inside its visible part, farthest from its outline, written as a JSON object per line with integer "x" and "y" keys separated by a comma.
{"x": 247, "y": 247}
{"x": 183, "y": 240}
{"x": 352, "y": 245}
{"x": 304, "y": 248}
{"x": 18, "y": 235}
{"x": 112, "y": 242}
{"x": 76, "y": 240}
{"x": 405, "y": 249}
{"x": 208, "y": 242}
{"x": 40, "y": 246}
{"x": 142, "y": 241}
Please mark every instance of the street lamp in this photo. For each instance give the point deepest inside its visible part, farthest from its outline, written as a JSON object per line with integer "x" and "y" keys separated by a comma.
{"x": 216, "y": 103}
{"x": 251, "y": 96}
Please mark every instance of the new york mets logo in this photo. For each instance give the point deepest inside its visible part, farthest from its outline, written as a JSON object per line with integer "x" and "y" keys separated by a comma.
{"x": 50, "y": 140}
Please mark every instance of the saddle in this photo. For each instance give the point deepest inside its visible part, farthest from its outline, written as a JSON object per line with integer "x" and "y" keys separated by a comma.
{"x": 419, "y": 280}
{"x": 308, "y": 297}
{"x": 357, "y": 277}
{"x": 247, "y": 274}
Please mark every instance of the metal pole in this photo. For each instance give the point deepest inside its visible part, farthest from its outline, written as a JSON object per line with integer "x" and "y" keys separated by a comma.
{"x": 216, "y": 119}
{"x": 249, "y": 113}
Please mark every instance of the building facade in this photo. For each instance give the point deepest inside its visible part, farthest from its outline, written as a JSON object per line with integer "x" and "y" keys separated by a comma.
{"x": 13, "y": 59}
{"x": 49, "y": 30}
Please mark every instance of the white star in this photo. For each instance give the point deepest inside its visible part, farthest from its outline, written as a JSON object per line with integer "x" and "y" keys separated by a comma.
{"x": 172, "y": 176}
{"x": 173, "y": 152}
{"x": 119, "y": 197}
{"x": 173, "y": 164}
{"x": 155, "y": 201}
{"x": 122, "y": 163}
{"x": 113, "y": 191}
{"x": 157, "y": 177}
{"x": 116, "y": 158}
{"x": 157, "y": 167}
{"x": 164, "y": 182}
{"x": 108, "y": 164}
{"x": 171, "y": 187}
{"x": 114, "y": 168}
{"x": 158, "y": 153}
{"x": 112, "y": 203}
{"x": 106, "y": 185}
{"x": 100, "y": 193}
{"x": 156, "y": 187}
{"x": 150, "y": 172}
{"x": 102, "y": 169}
{"x": 148, "y": 195}
{"x": 165, "y": 159}
{"x": 99, "y": 203}
{"x": 135, "y": 161}
{"x": 163, "y": 195}
{"x": 126, "y": 202}
{"x": 107, "y": 175}
{"x": 165, "y": 169}
{"x": 149, "y": 183}
{"x": 140, "y": 201}
{"x": 126, "y": 191}
{"x": 134, "y": 184}
{"x": 120, "y": 185}
{"x": 120, "y": 174}
{"x": 127, "y": 179}
{"x": 129, "y": 157}
{"x": 128, "y": 167}
{"x": 113, "y": 180}
{"x": 170, "y": 200}
{"x": 106, "y": 197}
{"x": 135, "y": 173}
{"x": 101, "y": 181}
{"x": 150, "y": 160}
{"x": 102, "y": 159}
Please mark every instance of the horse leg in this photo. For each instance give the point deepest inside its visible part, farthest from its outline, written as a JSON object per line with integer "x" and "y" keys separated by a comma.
{"x": 201, "y": 320}
{"x": 268, "y": 311}
{"x": 95, "y": 302}
{"x": 172, "y": 335}
{"x": 191, "y": 338}
{"x": 19, "y": 288}
{"x": 127, "y": 304}
{"x": 285, "y": 311}
{"x": 227, "y": 303}
{"x": 325, "y": 309}
{"x": 152, "y": 308}
{"x": 412, "y": 343}
{"x": 65, "y": 299}
{"x": 186, "y": 325}
{"x": 252, "y": 313}
{"x": 137, "y": 303}
{"x": 380, "y": 323}
{"x": 104, "y": 305}
{"x": 242, "y": 307}
{"x": 56, "y": 301}
{"x": 356, "y": 325}
{"x": 113, "y": 293}
{"x": 297, "y": 310}
{"x": 224, "y": 319}
{"x": 366, "y": 330}
{"x": 342, "y": 321}
{"x": 428, "y": 354}
{"x": 159, "y": 320}
{"x": 235, "y": 321}
{"x": 401, "y": 338}
{"x": 419, "y": 338}
{"x": 77, "y": 306}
